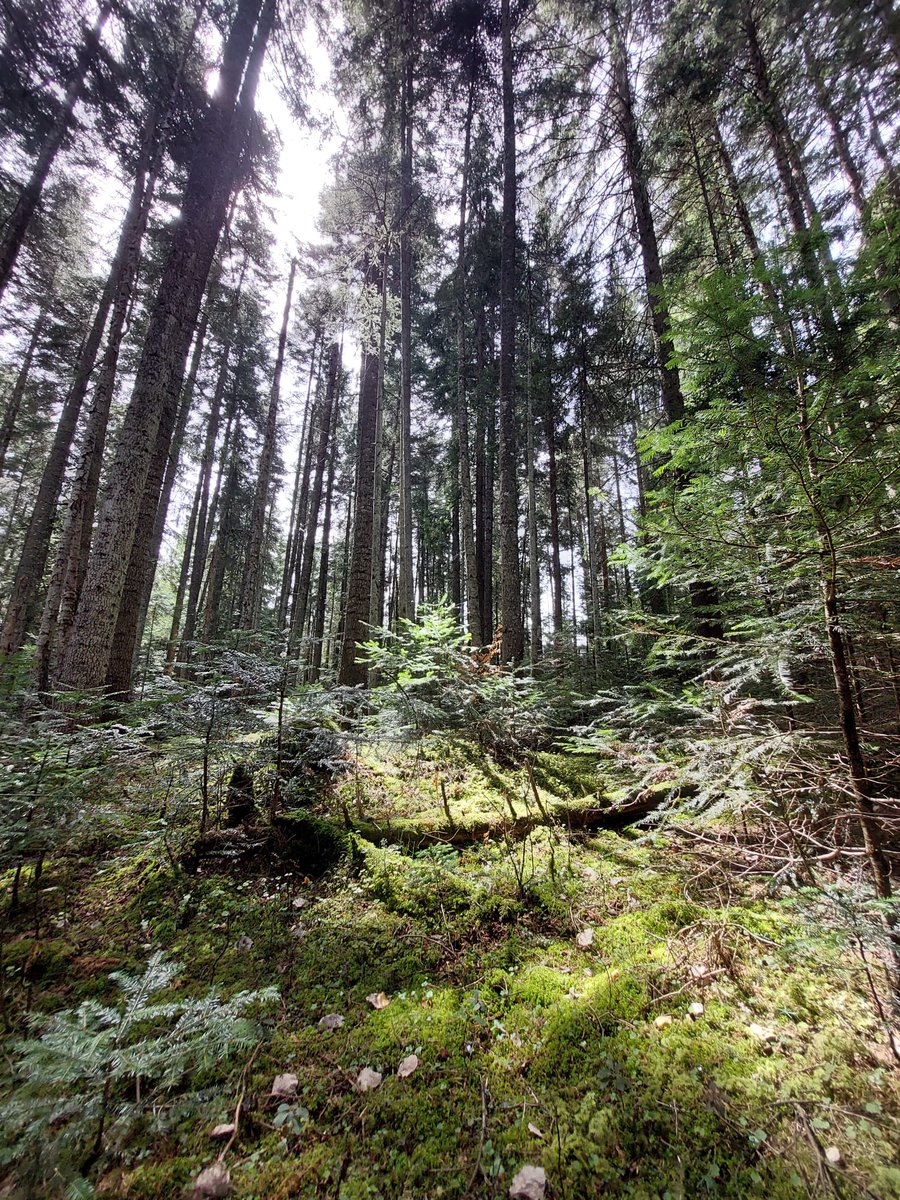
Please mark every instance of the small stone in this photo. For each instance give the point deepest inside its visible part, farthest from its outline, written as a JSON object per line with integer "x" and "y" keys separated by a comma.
{"x": 378, "y": 1000}
{"x": 585, "y": 939}
{"x": 367, "y": 1080}
{"x": 695, "y": 1010}
{"x": 244, "y": 943}
{"x": 662, "y": 1021}
{"x": 300, "y": 902}
{"x": 221, "y": 1132}
{"x": 763, "y": 1032}
{"x": 529, "y": 1184}
{"x": 331, "y": 1021}
{"x": 213, "y": 1183}
{"x": 284, "y": 1087}
{"x": 833, "y": 1156}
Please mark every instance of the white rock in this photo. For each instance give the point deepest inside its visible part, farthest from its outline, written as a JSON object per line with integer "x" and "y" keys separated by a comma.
{"x": 284, "y": 1087}
{"x": 213, "y": 1182}
{"x": 529, "y": 1184}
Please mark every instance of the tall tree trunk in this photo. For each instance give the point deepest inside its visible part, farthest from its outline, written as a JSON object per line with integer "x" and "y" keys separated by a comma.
{"x": 405, "y": 597}
{"x": 315, "y": 500}
{"x": 357, "y": 600}
{"x": 22, "y": 608}
{"x": 466, "y": 514}
{"x": 513, "y": 637}
{"x": 294, "y": 531}
{"x": 790, "y": 171}
{"x": 672, "y": 399}
{"x": 75, "y": 542}
{"x": 16, "y": 225}
{"x": 534, "y": 564}
{"x": 211, "y": 181}
{"x": 251, "y": 597}
{"x": 318, "y": 628}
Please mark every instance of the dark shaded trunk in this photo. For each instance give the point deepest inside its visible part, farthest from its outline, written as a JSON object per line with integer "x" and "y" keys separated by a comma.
{"x": 513, "y": 637}
{"x": 294, "y": 531}
{"x": 251, "y": 597}
{"x": 358, "y": 596}
{"x": 405, "y": 598}
{"x": 318, "y": 627}
{"x": 315, "y": 500}
{"x": 466, "y": 508}
{"x": 75, "y": 542}
{"x": 211, "y": 180}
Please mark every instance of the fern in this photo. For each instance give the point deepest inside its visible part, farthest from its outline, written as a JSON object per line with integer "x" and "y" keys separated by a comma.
{"x": 95, "y": 1071}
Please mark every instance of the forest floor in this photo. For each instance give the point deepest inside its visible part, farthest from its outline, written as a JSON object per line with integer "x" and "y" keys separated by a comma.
{"x": 643, "y": 1014}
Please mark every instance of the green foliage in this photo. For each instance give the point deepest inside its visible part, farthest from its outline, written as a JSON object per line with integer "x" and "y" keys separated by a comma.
{"x": 431, "y": 680}
{"x": 93, "y": 1073}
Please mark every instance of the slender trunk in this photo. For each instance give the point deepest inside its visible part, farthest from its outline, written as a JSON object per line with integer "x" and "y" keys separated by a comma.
{"x": 513, "y": 637}
{"x": 251, "y": 597}
{"x": 14, "y": 403}
{"x": 381, "y": 490}
{"x": 290, "y": 550}
{"x": 672, "y": 399}
{"x": 315, "y": 500}
{"x": 466, "y": 516}
{"x": 16, "y": 224}
{"x": 534, "y": 564}
{"x": 318, "y": 628}
{"x": 357, "y": 601}
{"x": 405, "y": 597}
{"x": 207, "y": 511}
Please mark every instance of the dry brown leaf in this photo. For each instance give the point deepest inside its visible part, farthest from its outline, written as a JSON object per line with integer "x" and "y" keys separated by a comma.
{"x": 613, "y": 974}
{"x": 529, "y": 1184}
{"x": 378, "y": 999}
{"x": 331, "y": 1021}
{"x": 533, "y": 1129}
{"x": 367, "y": 1080}
{"x": 408, "y": 1065}
{"x": 284, "y": 1087}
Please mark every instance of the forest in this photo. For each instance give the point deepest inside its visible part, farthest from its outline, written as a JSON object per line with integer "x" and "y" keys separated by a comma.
{"x": 449, "y": 604}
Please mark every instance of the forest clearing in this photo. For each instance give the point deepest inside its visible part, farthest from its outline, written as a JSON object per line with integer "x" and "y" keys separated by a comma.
{"x": 449, "y": 607}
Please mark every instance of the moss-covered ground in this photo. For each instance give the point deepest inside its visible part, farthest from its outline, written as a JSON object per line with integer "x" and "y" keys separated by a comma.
{"x": 705, "y": 1038}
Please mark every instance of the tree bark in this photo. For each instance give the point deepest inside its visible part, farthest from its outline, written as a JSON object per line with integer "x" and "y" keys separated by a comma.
{"x": 405, "y": 595}
{"x": 251, "y": 597}
{"x": 209, "y": 187}
{"x": 315, "y": 500}
{"x": 357, "y": 600}
{"x": 512, "y": 647}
